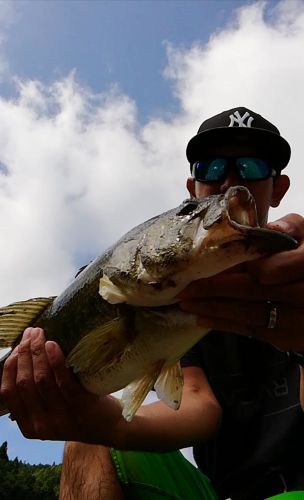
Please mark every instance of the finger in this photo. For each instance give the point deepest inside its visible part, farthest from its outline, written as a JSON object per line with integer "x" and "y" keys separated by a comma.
{"x": 283, "y": 267}
{"x": 69, "y": 386}
{"x": 44, "y": 377}
{"x": 292, "y": 224}
{"x": 252, "y": 320}
{"x": 9, "y": 391}
{"x": 34, "y": 411}
{"x": 277, "y": 336}
{"x": 45, "y": 415}
{"x": 24, "y": 376}
{"x": 57, "y": 414}
{"x": 42, "y": 373}
{"x": 245, "y": 313}
{"x": 221, "y": 285}
{"x": 73, "y": 393}
{"x": 242, "y": 286}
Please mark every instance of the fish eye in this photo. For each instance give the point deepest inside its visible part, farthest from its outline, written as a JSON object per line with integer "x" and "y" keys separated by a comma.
{"x": 188, "y": 207}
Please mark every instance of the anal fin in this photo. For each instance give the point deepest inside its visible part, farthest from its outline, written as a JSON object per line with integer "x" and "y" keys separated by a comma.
{"x": 169, "y": 385}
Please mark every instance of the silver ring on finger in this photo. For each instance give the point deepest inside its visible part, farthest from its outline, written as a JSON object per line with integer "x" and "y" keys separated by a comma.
{"x": 273, "y": 315}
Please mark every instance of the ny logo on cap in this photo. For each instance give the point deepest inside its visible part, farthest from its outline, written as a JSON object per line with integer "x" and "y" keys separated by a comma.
{"x": 237, "y": 119}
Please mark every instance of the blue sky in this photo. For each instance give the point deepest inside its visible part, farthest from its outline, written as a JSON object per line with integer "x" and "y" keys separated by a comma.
{"x": 110, "y": 41}
{"x": 97, "y": 102}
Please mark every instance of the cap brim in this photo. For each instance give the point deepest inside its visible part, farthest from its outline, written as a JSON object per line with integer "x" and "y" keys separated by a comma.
{"x": 267, "y": 144}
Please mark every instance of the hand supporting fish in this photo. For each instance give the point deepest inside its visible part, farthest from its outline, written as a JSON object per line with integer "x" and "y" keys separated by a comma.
{"x": 239, "y": 301}
{"x": 119, "y": 323}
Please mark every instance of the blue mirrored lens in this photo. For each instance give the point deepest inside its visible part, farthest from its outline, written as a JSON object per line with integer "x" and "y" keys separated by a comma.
{"x": 210, "y": 170}
{"x": 252, "y": 168}
{"x": 248, "y": 168}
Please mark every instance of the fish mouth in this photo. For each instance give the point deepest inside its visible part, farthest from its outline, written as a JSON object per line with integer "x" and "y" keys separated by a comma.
{"x": 240, "y": 207}
{"x": 242, "y": 215}
{"x": 237, "y": 221}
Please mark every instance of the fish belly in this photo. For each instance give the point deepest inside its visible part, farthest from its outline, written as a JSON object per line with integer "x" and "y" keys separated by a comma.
{"x": 161, "y": 339}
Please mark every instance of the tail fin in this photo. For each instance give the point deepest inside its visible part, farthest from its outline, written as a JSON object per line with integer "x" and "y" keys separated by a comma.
{"x": 14, "y": 318}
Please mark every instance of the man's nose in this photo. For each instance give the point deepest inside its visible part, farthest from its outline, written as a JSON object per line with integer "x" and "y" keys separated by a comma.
{"x": 231, "y": 179}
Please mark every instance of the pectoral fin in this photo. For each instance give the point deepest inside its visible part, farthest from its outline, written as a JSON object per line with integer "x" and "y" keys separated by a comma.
{"x": 134, "y": 393}
{"x": 101, "y": 348}
{"x": 14, "y": 318}
{"x": 169, "y": 385}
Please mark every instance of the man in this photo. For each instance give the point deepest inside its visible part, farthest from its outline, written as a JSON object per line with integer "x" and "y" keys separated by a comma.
{"x": 241, "y": 402}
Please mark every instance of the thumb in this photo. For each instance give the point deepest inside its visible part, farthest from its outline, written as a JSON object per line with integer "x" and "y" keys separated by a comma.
{"x": 292, "y": 224}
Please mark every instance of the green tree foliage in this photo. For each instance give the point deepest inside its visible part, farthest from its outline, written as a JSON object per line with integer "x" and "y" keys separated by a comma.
{"x": 21, "y": 481}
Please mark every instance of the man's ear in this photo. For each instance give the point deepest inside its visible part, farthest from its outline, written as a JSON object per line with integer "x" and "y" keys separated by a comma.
{"x": 191, "y": 186}
{"x": 280, "y": 187}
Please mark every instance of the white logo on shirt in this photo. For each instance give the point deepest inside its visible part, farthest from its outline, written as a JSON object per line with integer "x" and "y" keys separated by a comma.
{"x": 239, "y": 120}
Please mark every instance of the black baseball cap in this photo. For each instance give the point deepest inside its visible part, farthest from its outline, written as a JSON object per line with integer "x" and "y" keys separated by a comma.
{"x": 242, "y": 127}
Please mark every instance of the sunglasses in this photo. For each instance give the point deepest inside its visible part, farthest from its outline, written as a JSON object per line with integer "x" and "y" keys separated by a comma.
{"x": 248, "y": 169}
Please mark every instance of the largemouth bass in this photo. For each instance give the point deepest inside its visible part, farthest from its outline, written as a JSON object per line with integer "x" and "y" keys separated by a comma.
{"x": 119, "y": 323}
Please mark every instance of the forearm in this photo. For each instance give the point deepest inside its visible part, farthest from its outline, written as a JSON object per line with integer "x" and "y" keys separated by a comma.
{"x": 88, "y": 473}
{"x": 156, "y": 427}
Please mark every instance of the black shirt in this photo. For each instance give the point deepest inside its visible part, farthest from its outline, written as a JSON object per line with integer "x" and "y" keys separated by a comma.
{"x": 259, "y": 450}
